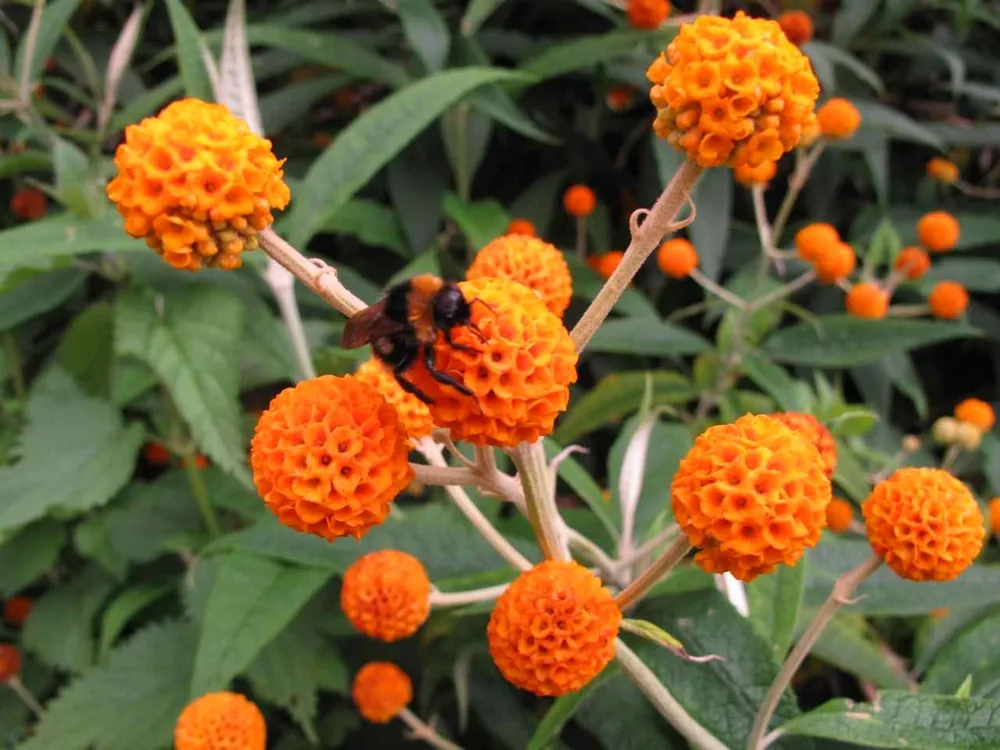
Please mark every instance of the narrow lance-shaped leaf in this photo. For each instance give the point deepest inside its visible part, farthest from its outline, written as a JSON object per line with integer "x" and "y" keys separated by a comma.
{"x": 189, "y": 58}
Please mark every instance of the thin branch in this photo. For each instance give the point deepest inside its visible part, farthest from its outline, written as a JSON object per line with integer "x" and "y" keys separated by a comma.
{"x": 423, "y": 731}
{"x": 719, "y": 291}
{"x": 30, "y": 40}
{"x": 460, "y": 598}
{"x": 796, "y": 182}
{"x": 652, "y": 575}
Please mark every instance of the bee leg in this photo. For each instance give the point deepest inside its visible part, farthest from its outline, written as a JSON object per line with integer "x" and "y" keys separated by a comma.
{"x": 401, "y": 366}
{"x": 441, "y": 377}
{"x": 459, "y": 347}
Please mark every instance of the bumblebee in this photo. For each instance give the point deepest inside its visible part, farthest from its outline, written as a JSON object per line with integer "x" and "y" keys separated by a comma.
{"x": 403, "y": 326}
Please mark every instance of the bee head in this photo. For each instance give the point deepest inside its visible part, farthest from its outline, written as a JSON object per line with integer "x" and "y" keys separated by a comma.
{"x": 450, "y": 308}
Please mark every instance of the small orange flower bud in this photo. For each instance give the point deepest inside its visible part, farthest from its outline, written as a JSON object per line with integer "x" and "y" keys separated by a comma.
{"x": 838, "y": 119}
{"x": 329, "y": 456}
{"x": 529, "y": 261}
{"x": 913, "y": 261}
{"x": 28, "y": 204}
{"x": 977, "y": 413}
{"x": 945, "y": 431}
{"x": 200, "y": 462}
{"x": 948, "y": 300}
{"x": 911, "y": 443}
{"x": 677, "y": 258}
{"x": 835, "y": 263}
{"x": 413, "y": 413}
{"x": 386, "y": 595}
{"x": 619, "y": 98}
{"x": 816, "y": 433}
{"x": 604, "y": 265}
{"x": 522, "y": 226}
{"x": 197, "y": 185}
{"x": 994, "y": 509}
{"x": 732, "y": 91}
{"x": 16, "y": 610}
{"x": 380, "y": 691}
{"x": 868, "y": 300}
{"x": 156, "y": 453}
{"x": 752, "y": 495}
{"x": 925, "y": 524}
{"x": 942, "y": 170}
{"x": 839, "y": 514}
{"x": 322, "y": 139}
{"x": 10, "y": 662}
{"x": 647, "y": 14}
{"x": 762, "y": 174}
{"x": 797, "y": 25}
{"x": 519, "y": 373}
{"x": 220, "y": 721}
{"x": 553, "y": 630}
{"x": 938, "y": 231}
{"x": 579, "y": 200}
{"x": 814, "y": 239}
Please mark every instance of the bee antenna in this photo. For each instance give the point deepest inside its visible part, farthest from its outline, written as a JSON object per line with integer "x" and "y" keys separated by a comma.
{"x": 484, "y": 303}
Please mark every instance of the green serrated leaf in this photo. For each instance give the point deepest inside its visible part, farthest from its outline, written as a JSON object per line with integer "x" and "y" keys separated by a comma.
{"x": 616, "y": 396}
{"x": 130, "y": 703}
{"x": 843, "y": 341}
{"x": 774, "y": 381}
{"x": 372, "y": 223}
{"x": 37, "y": 294}
{"x": 60, "y": 629}
{"x": 96, "y": 454}
{"x": 975, "y": 274}
{"x": 251, "y": 601}
{"x": 86, "y": 351}
{"x": 26, "y": 556}
{"x": 846, "y": 644}
{"x": 885, "y": 593}
{"x": 426, "y": 31}
{"x": 561, "y": 711}
{"x": 189, "y": 57}
{"x": 646, "y": 337}
{"x": 480, "y": 221}
{"x": 124, "y": 607}
{"x": 710, "y": 230}
{"x": 895, "y": 124}
{"x": 189, "y": 337}
{"x": 477, "y": 12}
{"x": 973, "y": 653}
{"x": 373, "y": 139}
{"x": 899, "y": 719}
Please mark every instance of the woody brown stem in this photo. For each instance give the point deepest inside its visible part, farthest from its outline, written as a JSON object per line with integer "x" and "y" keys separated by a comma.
{"x": 645, "y": 239}
{"x": 842, "y": 590}
{"x": 652, "y": 575}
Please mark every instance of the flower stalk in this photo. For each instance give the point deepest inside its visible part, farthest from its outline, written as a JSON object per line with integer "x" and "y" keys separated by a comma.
{"x": 423, "y": 731}
{"x": 461, "y": 598}
{"x": 26, "y": 696}
{"x": 540, "y": 505}
{"x": 649, "y": 684}
{"x": 840, "y": 596}
{"x": 652, "y": 575}
{"x": 646, "y": 237}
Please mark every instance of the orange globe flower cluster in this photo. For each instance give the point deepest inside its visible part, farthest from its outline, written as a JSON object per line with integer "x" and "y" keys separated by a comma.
{"x": 381, "y": 690}
{"x": 329, "y": 455}
{"x": 732, "y": 91}
{"x": 942, "y": 170}
{"x": 529, "y": 261}
{"x": 413, "y": 413}
{"x": 762, "y": 174}
{"x": 797, "y": 25}
{"x": 868, "y": 300}
{"x": 994, "y": 512}
{"x": 28, "y": 204}
{"x": 220, "y": 721}
{"x": 386, "y": 595}
{"x": 677, "y": 258}
{"x": 10, "y": 662}
{"x": 553, "y": 630}
{"x": 604, "y": 265}
{"x": 925, "y": 524}
{"x": 816, "y": 433}
{"x": 913, "y": 262}
{"x": 832, "y": 258}
{"x": 839, "y": 515}
{"x": 948, "y": 300}
{"x": 976, "y": 412}
{"x": 752, "y": 495}
{"x": 519, "y": 372}
{"x": 579, "y": 201}
{"x": 647, "y": 14}
{"x": 938, "y": 231}
{"x": 197, "y": 185}
{"x": 838, "y": 119}
{"x": 16, "y": 610}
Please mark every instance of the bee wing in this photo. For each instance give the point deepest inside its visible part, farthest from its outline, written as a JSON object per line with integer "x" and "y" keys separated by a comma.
{"x": 369, "y": 324}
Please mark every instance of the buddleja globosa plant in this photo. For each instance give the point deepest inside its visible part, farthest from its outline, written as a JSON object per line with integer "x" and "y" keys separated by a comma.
{"x": 748, "y": 496}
